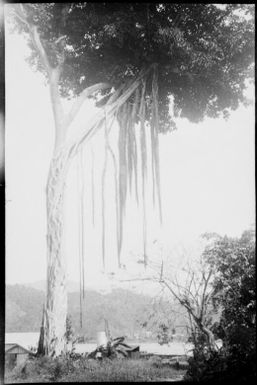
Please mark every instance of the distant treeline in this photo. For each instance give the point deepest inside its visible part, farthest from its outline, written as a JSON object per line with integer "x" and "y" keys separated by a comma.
{"x": 128, "y": 313}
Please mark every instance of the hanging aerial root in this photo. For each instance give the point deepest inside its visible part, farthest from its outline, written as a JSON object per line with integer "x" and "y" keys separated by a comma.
{"x": 98, "y": 119}
{"x": 117, "y": 205}
{"x": 155, "y": 124}
{"x": 143, "y": 149}
{"x": 103, "y": 191}
{"x": 82, "y": 220}
{"x": 130, "y": 104}
{"x": 135, "y": 111}
{"x": 129, "y": 144}
{"x": 80, "y": 234}
{"x": 81, "y": 214}
{"x": 124, "y": 167}
{"x": 122, "y": 172}
{"x": 109, "y": 149}
{"x": 92, "y": 187}
{"x": 154, "y": 132}
{"x": 116, "y": 185}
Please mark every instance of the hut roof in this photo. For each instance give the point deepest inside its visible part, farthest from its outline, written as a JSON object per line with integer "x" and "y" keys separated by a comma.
{"x": 16, "y": 348}
{"x": 8, "y": 347}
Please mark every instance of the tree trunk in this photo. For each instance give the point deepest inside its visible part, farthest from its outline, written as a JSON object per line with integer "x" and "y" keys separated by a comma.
{"x": 53, "y": 340}
{"x": 208, "y": 333}
{"x": 210, "y": 337}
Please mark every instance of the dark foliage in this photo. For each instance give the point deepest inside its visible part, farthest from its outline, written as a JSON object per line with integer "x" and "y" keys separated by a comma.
{"x": 163, "y": 335}
{"x": 203, "y": 52}
{"x": 235, "y": 292}
{"x": 69, "y": 329}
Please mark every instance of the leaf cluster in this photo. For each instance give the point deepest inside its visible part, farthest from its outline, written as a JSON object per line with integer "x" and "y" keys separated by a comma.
{"x": 235, "y": 293}
{"x": 235, "y": 285}
{"x": 204, "y": 52}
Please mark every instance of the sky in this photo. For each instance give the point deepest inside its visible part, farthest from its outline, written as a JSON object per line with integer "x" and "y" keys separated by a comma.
{"x": 207, "y": 183}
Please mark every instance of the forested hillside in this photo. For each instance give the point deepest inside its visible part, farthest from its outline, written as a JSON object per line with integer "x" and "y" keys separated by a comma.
{"x": 128, "y": 313}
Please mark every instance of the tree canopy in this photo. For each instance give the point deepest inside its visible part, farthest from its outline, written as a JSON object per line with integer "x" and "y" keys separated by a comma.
{"x": 203, "y": 52}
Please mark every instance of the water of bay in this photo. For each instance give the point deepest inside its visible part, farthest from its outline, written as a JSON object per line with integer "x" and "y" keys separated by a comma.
{"x": 28, "y": 340}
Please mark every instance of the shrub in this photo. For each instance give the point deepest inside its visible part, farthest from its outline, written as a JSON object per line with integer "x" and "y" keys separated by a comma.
{"x": 234, "y": 293}
{"x": 82, "y": 369}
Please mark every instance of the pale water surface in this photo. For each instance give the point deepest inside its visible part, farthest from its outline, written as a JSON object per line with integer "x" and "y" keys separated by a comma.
{"x": 174, "y": 348}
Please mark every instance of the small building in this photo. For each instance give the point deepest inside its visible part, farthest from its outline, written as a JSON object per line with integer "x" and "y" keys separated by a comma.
{"x": 15, "y": 354}
{"x": 134, "y": 352}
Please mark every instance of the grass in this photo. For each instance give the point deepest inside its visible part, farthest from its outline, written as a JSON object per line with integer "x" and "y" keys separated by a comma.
{"x": 88, "y": 370}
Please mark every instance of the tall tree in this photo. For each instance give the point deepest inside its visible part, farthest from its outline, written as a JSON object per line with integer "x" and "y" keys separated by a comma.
{"x": 138, "y": 55}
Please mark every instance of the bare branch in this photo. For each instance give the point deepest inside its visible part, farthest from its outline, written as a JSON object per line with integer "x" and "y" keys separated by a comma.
{"x": 178, "y": 286}
{"x": 204, "y": 297}
{"x": 137, "y": 279}
{"x": 190, "y": 284}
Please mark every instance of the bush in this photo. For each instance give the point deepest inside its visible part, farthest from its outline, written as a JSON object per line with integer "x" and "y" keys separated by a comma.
{"x": 203, "y": 366}
{"x": 234, "y": 293}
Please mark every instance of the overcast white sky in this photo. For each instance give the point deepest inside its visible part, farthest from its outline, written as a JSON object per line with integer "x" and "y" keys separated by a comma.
{"x": 207, "y": 178}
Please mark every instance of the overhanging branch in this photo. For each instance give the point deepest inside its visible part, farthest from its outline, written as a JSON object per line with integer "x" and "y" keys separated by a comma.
{"x": 82, "y": 97}
{"x": 39, "y": 47}
{"x": 53, "y": 73}
{"x": 98, "y": 119}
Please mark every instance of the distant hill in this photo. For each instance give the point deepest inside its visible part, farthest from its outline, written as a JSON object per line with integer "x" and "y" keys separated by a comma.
{"x": 41, "y": 285}
{"x": 127, "y": 313}
{"x": 23, "y": 310}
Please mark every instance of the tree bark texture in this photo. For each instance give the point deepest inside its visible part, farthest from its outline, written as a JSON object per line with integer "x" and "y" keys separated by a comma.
{"x": 210, "y": 337}
{"x": 54, "y": 323}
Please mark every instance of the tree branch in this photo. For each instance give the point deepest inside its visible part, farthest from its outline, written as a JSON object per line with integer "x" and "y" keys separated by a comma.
{"x": 81, "y": 98}
{"x": 33, "y": 31}
{"x": 115, "y": 95}
{"x": 38, "y": 45}
{"x": 57, "y": 106}
{"x": 23, "y": 20}
{"x": 98, "y": 118}
{"x": 204, "y": 297}
{"x": 53, "y": 75}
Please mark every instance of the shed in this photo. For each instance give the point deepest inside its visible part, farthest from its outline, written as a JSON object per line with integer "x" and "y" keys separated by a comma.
{"x": 134, "y": 352}
{"x": 16, "y": 354}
